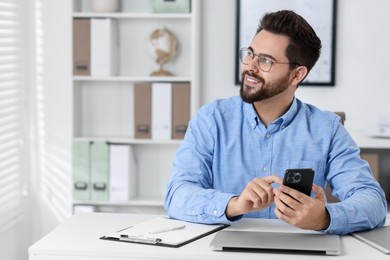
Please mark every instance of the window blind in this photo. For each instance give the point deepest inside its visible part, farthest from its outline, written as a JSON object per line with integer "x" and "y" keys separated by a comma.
{"x": 51, "y": 156}
{"x": 12, "y": 126}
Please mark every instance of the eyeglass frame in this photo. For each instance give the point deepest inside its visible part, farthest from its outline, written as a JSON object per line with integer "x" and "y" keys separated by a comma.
{"x": 263, "y": 56}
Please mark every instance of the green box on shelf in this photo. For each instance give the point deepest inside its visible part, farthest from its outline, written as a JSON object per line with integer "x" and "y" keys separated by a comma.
{"x": 171, "y": 6}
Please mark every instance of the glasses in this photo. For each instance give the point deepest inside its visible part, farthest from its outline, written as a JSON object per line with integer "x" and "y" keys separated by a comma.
{"x": 265, "y": 63}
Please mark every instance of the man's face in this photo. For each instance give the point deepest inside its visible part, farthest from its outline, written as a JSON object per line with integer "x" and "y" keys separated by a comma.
{"x": 258, "y": 85}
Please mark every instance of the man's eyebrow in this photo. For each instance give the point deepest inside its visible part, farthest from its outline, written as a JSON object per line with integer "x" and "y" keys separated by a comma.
{"x": 262, "y": 54}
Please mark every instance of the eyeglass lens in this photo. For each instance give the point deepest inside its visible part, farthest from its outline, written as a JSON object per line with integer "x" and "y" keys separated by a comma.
{"x": 246, "y": 57}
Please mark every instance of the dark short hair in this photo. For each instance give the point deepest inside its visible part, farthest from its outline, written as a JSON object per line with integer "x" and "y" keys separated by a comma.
{"x": 304, "y": 47}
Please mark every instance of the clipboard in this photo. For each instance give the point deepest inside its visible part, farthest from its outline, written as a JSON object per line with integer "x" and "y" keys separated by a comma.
{"x": 164, "y": 231}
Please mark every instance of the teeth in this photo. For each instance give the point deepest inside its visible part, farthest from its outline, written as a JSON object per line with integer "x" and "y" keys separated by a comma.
{"x": 252, "y": 80}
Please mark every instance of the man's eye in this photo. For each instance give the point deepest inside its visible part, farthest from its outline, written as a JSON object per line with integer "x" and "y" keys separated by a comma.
{"x": 265, "y": 60}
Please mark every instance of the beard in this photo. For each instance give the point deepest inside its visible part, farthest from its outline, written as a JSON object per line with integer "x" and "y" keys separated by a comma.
{"x": 266, "y": 91}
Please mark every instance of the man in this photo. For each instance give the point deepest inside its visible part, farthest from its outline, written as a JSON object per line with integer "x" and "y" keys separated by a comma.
{"x": 235, "y": 152}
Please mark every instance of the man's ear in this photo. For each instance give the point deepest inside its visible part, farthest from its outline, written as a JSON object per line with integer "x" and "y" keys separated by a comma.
{"x": 299, "y": 75}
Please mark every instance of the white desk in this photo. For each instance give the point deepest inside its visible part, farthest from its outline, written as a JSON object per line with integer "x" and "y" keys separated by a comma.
{"x": 78, "y": 239}
{"x": 365, "y": 141}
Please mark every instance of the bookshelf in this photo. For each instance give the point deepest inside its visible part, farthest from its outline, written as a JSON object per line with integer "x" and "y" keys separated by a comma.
{"x": 103, "y": 105}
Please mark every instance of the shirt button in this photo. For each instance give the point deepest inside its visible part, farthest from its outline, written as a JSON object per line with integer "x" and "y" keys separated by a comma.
{"x": 283, "y": 126}
{"x": 253, "y": 125}
{"x": 265, "y": 169}
{"x": 268, "y": 136}
{"x": 215, "y": 212}
{"x": 193, "y": 212}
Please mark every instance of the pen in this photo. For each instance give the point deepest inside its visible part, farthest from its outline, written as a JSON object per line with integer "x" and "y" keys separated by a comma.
{"x": 139, "y": 239}
{"x": 163, "y": 230}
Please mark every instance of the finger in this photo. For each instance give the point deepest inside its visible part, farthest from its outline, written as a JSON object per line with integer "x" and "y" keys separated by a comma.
{"x": 253, "y": 198}
{"x": 263, "y": 189}
{"x": 273, "y": 179}
{"x": 287, "y": 200}
{"x": 319, "y": 192}
{"x": 298, "y": 196}
{"x": 280, "y": 215}
{"x": 283, "y": 207}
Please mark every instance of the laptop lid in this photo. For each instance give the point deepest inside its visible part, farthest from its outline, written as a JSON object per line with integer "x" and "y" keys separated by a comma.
{"x": 314, "y": 243}
{"x": 378, "y": 238}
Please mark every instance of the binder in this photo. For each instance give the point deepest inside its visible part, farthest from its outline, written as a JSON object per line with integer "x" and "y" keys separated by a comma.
{"x": 81, "y": 171}
{"x": 122, "y": 174}
{"x": 99, "y": 171}
{"x": 104, "y": 47}
{"x": 180, "y": 109}
{"x": 142, "y": 110}
{"x": 161, "y": 111}
{"x": 81, "y": 46}
{"x": 162, "y": 231}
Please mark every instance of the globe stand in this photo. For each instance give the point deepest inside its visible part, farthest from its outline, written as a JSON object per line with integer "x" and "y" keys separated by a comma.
{"x": 161, "y": 72}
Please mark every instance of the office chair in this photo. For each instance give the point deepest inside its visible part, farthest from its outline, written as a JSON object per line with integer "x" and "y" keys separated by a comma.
{"x": 328, "y": 191}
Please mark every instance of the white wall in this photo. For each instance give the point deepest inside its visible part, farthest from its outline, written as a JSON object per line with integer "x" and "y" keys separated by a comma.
{"x": 362, "y": 87}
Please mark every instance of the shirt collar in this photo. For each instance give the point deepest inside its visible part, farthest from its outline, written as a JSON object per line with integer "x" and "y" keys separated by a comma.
{"x": 251, "y": 115}
{"x": 283, "y": 121}
{"x": 288, "y": 117}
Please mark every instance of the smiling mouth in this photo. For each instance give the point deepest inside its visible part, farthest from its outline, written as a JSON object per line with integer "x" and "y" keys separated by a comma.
{"x": 251, "y": 81}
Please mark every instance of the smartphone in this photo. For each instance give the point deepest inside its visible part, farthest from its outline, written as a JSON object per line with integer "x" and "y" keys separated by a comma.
{"x": 299, "y": 179}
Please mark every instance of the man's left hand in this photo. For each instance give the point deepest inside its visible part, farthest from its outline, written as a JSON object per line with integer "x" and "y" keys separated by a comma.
{"x": 300, "y": 210}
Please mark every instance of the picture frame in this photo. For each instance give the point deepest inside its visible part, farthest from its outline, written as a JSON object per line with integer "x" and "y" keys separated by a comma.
{"x": 321, "y": 15}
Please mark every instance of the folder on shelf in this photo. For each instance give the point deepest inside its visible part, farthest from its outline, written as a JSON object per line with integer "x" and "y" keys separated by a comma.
{"x": 122, "y": 180}
{"x": 161, "y": 111}
{"x": 99, "y": 171}
{"x": 163, "y": 231}
{"x": 81, "y": 46}
{"x": 142, "y": 110}
{"x": 180, "y": 109}
{"x": 81, "y": 170}
{"x": 104, "y": 47}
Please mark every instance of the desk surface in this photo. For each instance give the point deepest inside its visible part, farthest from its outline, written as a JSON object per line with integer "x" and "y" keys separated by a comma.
{"x": 78, "y": 238}
{"x": 365, "y": 141}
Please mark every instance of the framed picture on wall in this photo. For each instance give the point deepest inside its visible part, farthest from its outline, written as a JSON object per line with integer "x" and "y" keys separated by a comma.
{"x": 321, "y": 15}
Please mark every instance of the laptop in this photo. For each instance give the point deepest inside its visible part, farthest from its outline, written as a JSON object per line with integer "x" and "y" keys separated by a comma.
{"x": 279, "y": 242}
{"x": 378, "y": 238}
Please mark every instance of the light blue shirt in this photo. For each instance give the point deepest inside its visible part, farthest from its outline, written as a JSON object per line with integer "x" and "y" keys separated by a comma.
{"x": 226, "y": 146}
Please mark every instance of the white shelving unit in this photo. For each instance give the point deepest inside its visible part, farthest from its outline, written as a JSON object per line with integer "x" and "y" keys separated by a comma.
{"x": 103, "y": 106}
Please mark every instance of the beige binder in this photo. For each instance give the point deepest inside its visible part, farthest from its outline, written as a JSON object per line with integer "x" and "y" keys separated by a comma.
{"x": 81, "y": 46}
{"x": 142, "y": 110}
{"x": 180, "y": 109}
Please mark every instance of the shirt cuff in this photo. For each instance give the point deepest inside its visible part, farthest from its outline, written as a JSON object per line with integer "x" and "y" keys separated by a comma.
{"x": 338, "y": 220}
{"x": 218, "y": 209}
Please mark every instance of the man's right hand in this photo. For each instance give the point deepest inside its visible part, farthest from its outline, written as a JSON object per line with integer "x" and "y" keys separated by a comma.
{"x": 257, "y": 195}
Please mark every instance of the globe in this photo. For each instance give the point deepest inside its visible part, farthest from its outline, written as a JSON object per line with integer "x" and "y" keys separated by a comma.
{"x": 162, "y": 46}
